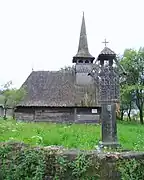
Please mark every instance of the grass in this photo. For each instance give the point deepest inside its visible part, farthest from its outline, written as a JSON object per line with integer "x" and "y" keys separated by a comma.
{"x": 131, "y": 136}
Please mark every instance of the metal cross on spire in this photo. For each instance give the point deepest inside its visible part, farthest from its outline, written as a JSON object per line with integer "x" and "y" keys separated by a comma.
{"x": 105, "y": 42}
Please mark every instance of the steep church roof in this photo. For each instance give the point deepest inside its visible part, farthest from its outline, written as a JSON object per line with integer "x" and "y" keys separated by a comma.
{"x": 83, "y": 51}
{"x": 59, "y": 89}
{"x": 54, "y": 89}
{"x": 107, "y": 51}
{"x": 106, "y": 54}
{"x": 46, "y": 88}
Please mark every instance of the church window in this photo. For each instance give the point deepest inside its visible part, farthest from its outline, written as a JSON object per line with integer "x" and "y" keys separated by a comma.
{"x": 87, "y": 61}
{"x": 80, "y": 61}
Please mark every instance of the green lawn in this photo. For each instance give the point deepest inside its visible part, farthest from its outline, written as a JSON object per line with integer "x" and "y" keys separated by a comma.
{"x": 131, "y": 136}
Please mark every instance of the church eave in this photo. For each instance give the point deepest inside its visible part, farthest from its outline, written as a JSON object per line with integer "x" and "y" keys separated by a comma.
{"x": 106, "y": 56}
{"x": 83, "y": 57}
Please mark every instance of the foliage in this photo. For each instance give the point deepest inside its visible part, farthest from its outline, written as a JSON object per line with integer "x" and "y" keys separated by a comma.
{"x": 132, "y": 85}
{"x": 80, "y": 165}
{"x": 20, "y": 162}
{"x": 80, "y": 168}
{"x": 126, "y": 100}
{"x": 10, "y": 97}
{"x": 81, "y": 136}
{"x": 131, "y": 169}
{"x": 76, "y": 136}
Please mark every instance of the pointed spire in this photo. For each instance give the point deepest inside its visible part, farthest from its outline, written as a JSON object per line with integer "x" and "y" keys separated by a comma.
{"x": 83, "y": 45}
{"x": 83, "y": 51}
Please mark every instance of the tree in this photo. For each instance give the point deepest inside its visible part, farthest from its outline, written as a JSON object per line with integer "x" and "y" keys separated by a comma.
{"x": 10, "y": 97}
{"x": 5, "y": 94}
{"x": 133, "y": 62}
{"x": 126, "y": 101}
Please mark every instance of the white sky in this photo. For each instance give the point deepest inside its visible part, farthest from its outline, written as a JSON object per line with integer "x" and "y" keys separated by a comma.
{"x": 44, "y": 34}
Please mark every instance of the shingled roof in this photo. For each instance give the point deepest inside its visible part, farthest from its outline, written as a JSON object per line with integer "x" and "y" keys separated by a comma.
{"x": 52, "y": 89}
{"x": 46, "y": 88}
{"x": 106, "y": 54}
{"x": 107, "y": 51}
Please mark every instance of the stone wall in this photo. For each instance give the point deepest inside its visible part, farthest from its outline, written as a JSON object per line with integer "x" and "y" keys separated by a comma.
{"x": 69, "y": 164}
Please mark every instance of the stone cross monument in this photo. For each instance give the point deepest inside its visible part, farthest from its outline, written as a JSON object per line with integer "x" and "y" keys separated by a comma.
{"x": 108, "y": 81}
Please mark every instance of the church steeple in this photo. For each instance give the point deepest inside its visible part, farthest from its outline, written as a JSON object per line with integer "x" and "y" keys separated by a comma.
{"x": 106, "y": 55}
{"x": 83, "y": 51}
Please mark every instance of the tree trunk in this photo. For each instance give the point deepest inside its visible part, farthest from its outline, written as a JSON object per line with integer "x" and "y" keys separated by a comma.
{"x": 140, "y": 103}
{"x": 5, "y": 114}
{"x": 129, "y": 111}
{"x": 141, "y": 116}
{"x": 13, "y": 113}
{"x": 122, "y": 115}
{"x": 129, "y": 116}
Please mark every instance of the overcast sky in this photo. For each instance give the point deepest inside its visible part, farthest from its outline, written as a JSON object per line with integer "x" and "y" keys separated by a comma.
{"x": 44, "y": 34}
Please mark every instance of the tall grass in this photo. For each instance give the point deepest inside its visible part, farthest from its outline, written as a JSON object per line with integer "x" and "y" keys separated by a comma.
{"x": 82, "y": 136}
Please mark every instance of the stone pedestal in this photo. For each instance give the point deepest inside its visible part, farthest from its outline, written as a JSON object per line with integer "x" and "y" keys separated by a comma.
{"x": 109, "y": 126}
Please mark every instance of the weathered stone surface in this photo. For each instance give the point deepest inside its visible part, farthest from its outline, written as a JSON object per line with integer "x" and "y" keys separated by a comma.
{"x": 109, "y": 127}
{"x": 102, "y": 164}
